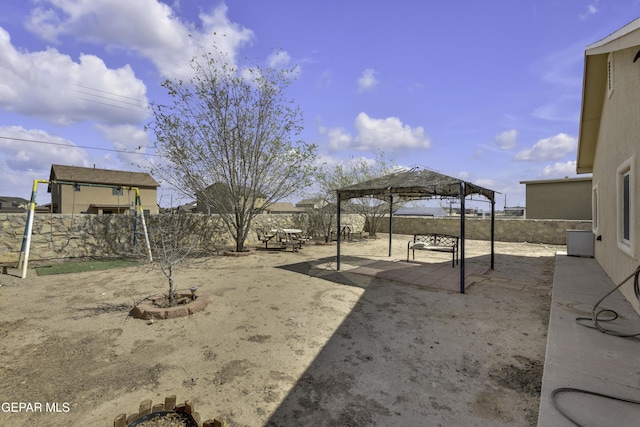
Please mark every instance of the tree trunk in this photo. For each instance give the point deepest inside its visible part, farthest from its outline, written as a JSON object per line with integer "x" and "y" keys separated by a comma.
{"x": 172, "y": 290}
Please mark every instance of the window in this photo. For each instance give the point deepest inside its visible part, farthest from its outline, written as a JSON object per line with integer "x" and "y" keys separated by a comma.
{"x": 117, "y": 191}
{"x": 625, "y": 182}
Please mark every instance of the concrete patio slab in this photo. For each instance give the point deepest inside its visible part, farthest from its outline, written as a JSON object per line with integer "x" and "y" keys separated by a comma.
{"x": 583, "y": 358}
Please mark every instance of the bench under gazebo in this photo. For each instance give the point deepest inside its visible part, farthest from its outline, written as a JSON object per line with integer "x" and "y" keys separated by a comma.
{"x": 419, "y": 184}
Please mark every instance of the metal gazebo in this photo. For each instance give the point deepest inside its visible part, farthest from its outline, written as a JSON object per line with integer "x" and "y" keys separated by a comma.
{"x": 416, "y": 184}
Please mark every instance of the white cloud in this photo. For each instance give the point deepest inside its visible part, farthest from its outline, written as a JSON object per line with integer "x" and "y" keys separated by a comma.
{"x": 376, "y": 135}
{"x": 339, "y": 139}
{"x": 387, "y": 134}
{"x": 278, "y": 59}
{"x": 50, "y": 85}
{"x": 552, "y": 148}
{"x": 560, "y": 108}
{"x": 22, "y": 161}
{"x": 559, "y": 170}
{"x": 325, "y": 79}
{"x": 281, "y": 60}
{"x": 367, "y": 80}
{"x": 147, "y": 27}
{"x": 22, "y": 154}
{"x": 507, "y": 139}
{"x": 591, "y": 10}
{"x": 129, "y": 138}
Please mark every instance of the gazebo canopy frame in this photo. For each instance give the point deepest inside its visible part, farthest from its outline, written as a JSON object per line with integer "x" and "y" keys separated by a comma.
{"x": 417, "y": 184}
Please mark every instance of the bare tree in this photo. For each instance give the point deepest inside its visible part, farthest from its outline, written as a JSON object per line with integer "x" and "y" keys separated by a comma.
{"x": 171, "y": 242}
{"x": 230, "y": 139}
{"x": 355, "y": 171}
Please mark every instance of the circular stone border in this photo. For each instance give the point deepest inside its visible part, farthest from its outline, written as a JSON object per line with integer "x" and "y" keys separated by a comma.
{"x": 148, "y": 309}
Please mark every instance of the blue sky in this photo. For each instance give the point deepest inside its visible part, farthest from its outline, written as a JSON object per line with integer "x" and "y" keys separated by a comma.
{"x": 486, "y": 91}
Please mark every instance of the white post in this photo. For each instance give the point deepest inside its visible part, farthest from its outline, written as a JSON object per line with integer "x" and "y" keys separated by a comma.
{"x": 144, "y": 225}
{"x": 26, "y": 238}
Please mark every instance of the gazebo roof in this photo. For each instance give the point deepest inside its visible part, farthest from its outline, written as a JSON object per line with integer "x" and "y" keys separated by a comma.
{"x": 413, "y": 184}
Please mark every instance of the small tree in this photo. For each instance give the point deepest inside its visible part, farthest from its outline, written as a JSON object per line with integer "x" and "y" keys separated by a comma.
{"x": 359, "y": 170}
{"x": 171, "y": 243}
{"x": 320, "y": 218}
{"x": 229, "y": 138}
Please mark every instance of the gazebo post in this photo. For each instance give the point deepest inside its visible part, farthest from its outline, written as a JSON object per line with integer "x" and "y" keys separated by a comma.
{"x": 338, "y": 233}
{"x": 390, "y": 222}
{"x": 493, "y": 227}
{"x": 462, "y": 211}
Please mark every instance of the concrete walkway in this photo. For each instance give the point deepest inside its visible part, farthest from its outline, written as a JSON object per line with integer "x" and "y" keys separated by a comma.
{"x": 587, "y": 359}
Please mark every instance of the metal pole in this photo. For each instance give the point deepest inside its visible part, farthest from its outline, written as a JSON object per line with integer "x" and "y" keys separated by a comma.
{"x": 493, "y": 228}
{"x": 144, "y": 224}
{"x": 390, "y": 222}
{"x": 337, "y": 232}
{"x": 26, "y": 237}
{"x": 462, "y": 209}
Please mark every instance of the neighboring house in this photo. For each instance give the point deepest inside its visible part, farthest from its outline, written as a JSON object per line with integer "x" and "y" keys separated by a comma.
{"x": 100, "y": 191}
{"x": 190, "y": 207}
{"x": 608, "y": 147}
{"x": 421, "y": 211}
{"x": 281, "y": 208}
{"x": 312, "y": 203}
{"x": 13, "y": 204}
{"x": 568, "y": 198}
{"x": 222, "y": 194}
{"x": 513, "y": 211}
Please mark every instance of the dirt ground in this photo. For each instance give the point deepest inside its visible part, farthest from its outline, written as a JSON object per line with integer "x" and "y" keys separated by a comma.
{"x": 285, "y": 341}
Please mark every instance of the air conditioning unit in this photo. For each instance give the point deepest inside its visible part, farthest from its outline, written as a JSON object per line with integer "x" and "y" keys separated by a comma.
{"x": 580, "y": 243}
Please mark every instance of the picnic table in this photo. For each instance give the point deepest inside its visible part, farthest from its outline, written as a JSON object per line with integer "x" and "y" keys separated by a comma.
{"x": 289, "y": 237}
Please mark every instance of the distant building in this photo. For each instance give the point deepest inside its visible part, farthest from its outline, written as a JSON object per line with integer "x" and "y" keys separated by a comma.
{"x": 222, "y": 194}
{"x": 514, "y": 211}
{"x": 13, "y": 204}
{"x": 568, "y": 198}
{"x": 190, "y": 207}
{"x": 281, "y": 208}
{"x": 100, "y": 191}
{"x": 421, "y": 211}
{"x": 312, "y": 203}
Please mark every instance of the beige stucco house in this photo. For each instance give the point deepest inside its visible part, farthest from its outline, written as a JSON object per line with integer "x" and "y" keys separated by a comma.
{"x": 567, "y": 198}
{"x": 609, "y": 147}
{"x": 100, "y": 191}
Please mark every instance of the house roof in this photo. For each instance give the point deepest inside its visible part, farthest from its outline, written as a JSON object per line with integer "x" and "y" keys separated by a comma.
{"x": 413, "y": 184}
{"x": 554, "y": 181}
{"x": 101, "y": 176}
{"x": 14, "y": 200}
{"x": 282, "y": 207}
{"x": 594, "y": 87}
{"x": 311, "y": 201}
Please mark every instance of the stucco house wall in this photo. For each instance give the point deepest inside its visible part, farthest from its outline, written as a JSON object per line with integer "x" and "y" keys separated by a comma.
{"x": 568, "y": 198}
{"x": 609, "y": 146}
{"x": 96, "y": 194}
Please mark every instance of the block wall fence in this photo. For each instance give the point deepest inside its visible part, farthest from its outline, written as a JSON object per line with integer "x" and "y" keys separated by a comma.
{"x": 106, "y": 236}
